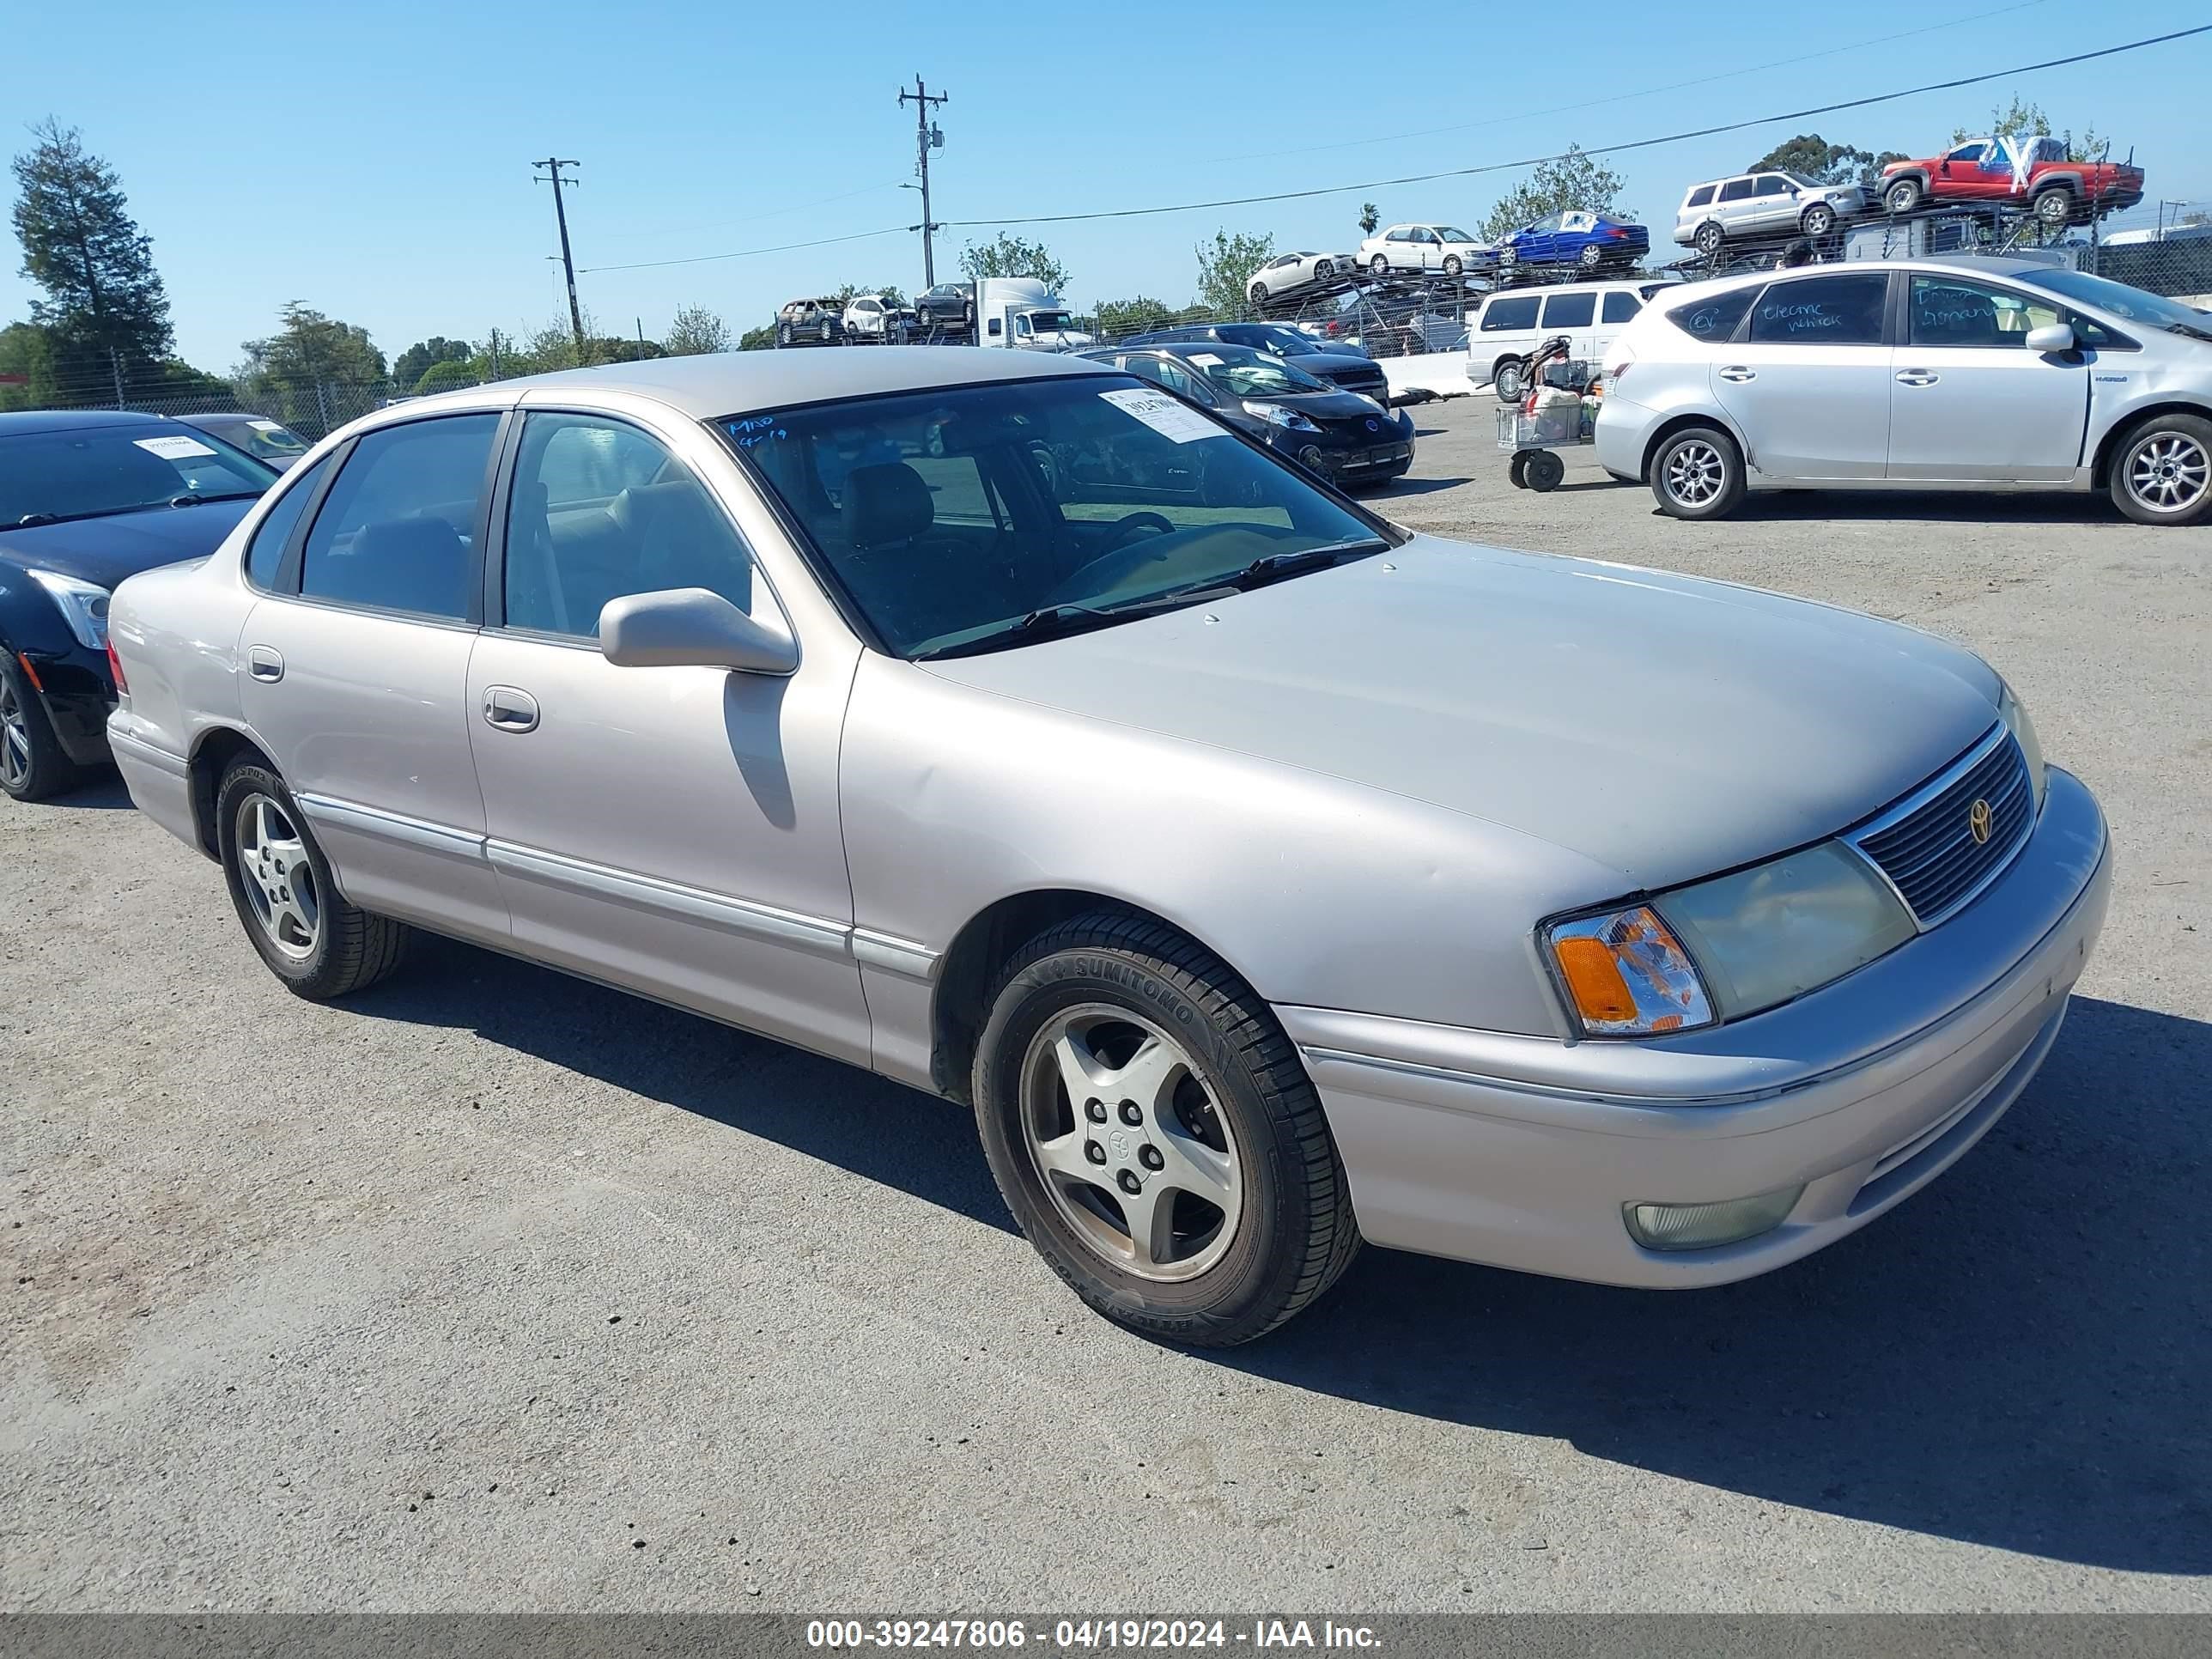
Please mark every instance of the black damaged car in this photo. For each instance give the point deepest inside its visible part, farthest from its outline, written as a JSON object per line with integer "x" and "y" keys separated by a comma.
{"x": 87, "y": 498}
{"x": 1345, "y": 437}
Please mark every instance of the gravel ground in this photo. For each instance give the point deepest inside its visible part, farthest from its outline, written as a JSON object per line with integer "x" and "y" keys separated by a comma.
{"x": 490, "y": 1289}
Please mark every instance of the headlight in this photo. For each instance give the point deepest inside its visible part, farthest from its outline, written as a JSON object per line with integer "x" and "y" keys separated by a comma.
{"x": 83, "y": 607}
{"x": 1627, "y": 974}
{"x": 1778, "y": 929}
{"x": 1277, "y": 415}
{"x": 2013, "y": 713}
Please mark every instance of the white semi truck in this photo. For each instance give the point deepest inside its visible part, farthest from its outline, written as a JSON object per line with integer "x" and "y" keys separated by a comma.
{"x": 1021, "y": 312}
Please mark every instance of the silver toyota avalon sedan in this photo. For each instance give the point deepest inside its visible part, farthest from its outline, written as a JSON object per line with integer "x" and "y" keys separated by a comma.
{"x": 1265, "y": 876}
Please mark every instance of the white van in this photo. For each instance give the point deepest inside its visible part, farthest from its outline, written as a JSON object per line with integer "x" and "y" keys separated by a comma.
{"x": 1512, "y": 322}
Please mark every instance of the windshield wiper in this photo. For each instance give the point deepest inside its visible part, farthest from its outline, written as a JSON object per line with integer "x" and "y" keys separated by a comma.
{"x": 1273, "y": 566}
{"x": 1054, "y": 622}
{"x": 2189, "y": 330}
{"x": 188, "y": 499}
{"x": 31, "y": 520}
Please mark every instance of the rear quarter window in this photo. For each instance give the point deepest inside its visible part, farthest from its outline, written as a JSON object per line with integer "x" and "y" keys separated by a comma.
{"x": 1714, "y": 317}
{"x": 1701, "y": 196}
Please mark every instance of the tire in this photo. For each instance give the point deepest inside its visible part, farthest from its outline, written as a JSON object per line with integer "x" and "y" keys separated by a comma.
{"x": 1698, "y": 473}
{"x": 34, "y": 766}
{"x": 1380, "y": 265}
{"x": 1516, "y": 470}
{"x": 1081, "y": 1001}
{"x": 1506, "y": 375}
{"x": 1258, "y": 294}
{"x": 825, "y": 334}
{"x": 2161, "y": 472}
{"x": 1591, "y": 257}
{"x": 312, "y": 939}
{"x": 783, "y": 334}
{"x": 1902, "y": 197}
{"x": 1544, "y": 470}
{"x": 1452, "y": 266}
{"x": 1817, "y": 220}
{"x": 1710, "y": 239}
{"x": 2054, "y": 208}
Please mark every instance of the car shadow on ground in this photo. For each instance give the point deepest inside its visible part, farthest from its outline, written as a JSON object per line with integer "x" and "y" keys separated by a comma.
{"x": 2020, "y": 1356}
{"x": 1411, "y": 487}
{"x": 101, "y": 792}
{"x": 1961, "y": 507}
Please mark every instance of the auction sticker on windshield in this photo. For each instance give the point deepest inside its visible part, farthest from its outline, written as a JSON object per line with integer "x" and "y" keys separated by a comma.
{"x": 1164, "y": 414}
{"x": 172, "y": 449}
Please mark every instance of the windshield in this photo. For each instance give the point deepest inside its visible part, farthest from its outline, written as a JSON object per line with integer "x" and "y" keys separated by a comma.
{"x": 953, "y": 518}
{"x": 1283, "y": 342}
{"x": 2117, "y": 298}
{"x": 1451, "y": 235}
{"x": 1050, "y": 322}
{"x": 1804, "y": 183}
{"x": 88, "y": 472}
{"x": 1243, "y": 373}
{"x": 262, "y": 440}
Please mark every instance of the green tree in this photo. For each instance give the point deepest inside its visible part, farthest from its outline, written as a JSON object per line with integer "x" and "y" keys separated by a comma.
{"x": 2020, "y": 119}
{"x": 1573, "y": 180}
{"x": 694, "y": 330}
{"x": 1369, "y": 218}
{"x": 1014, "y": 256}
{"x": 445, "y": 375}
{"x": 104, "y": 306}
{"x": 1832, "y": 164}
{"x": 758, "y": 339}
{"x": 27, "y": 350}
{"x": 1118, "y": 318}
{"x": 291, "y": 375}
{"x": 1225, "y": 265}
{"x": 411, "y": 364}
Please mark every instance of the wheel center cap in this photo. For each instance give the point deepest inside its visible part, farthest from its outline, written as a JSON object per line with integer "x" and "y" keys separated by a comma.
{"x": 1122, "y": 1145}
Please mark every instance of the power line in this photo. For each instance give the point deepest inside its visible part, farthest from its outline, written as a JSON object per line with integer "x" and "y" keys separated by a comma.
{"x": 773, "y": 212}
{"x": 1630, "y": 97}
{"x": 752, "y": 252}
{"x": 1595, "y": 149}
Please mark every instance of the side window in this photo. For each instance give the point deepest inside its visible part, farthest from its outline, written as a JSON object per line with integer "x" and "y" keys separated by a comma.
{"x": 1180, "y": 380}
{"x": 1569, "y": 310}
{"x": 1965, "y": 153}
{"x": 1701, "y": 196}
{"x": 396, "y": 529}
{"x": 1735, "y": 190}
{"x": 1144, "y": 367}
{"x": 266, "y": 550}
{"x": 1620, "y": 305}
{"x": 1712, "y": 320}
{"x": 1518, "y": 312}
{"x": 1948, "y": 311}
{"x": 1772, "y": 184}
{"x": 600, "y": 509}
{"x": 1829, "y": 310}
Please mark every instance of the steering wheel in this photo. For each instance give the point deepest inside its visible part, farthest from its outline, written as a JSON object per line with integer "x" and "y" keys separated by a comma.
{"x": 1090, "y": 578}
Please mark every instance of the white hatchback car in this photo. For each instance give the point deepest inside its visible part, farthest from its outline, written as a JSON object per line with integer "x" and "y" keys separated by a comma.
{"x": 1957, "y": 373}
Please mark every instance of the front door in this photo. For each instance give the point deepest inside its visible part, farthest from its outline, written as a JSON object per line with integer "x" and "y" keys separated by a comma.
{"x": 358, "y": 673}
{"x": 1969, "y": 402}
{"x": 1807, "y": 387}
{"x": 672, "y": 830}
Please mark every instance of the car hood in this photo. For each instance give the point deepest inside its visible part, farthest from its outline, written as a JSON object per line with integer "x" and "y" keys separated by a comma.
{"x": 1324, "y": 405}
{"x": 104, "y": 551}
{"x": 1663, "y": 726}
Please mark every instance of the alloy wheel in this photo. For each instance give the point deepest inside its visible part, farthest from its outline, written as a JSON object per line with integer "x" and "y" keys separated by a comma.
{"x": 1125, "y": 1135}
{"x": 277, "y": 877}
{"x": 2169, "y": 472}
{"x": 1695, "y": 473}
{"x": 15, "y": 739}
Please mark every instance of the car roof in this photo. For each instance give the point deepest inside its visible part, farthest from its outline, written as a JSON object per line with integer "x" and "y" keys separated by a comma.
{"x": 68, "y": 420}
{"x": 218, "y": 414}
{"x": 722, "y": 383}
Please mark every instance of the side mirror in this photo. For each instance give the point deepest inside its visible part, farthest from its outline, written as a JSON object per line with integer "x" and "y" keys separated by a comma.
{"x": 690, "y": 627}
{"x": 2051, "y": 337}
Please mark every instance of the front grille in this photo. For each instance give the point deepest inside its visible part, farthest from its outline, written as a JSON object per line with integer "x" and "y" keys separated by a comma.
{"x": 1926, "y": 845}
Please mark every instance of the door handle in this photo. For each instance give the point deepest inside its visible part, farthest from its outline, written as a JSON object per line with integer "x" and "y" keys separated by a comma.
{"x": 1918, "y": 377}
{"x": 264, "y": 664}
{"x": 1738, "y": 372}
{"x": 507, "y": 709}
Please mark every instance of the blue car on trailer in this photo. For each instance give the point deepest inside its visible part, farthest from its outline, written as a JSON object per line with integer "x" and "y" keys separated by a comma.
{"x": 1590, "y": 241}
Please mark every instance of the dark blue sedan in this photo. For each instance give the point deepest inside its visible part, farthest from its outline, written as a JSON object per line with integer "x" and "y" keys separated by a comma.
{"x": 87, "y": 498}
{"x": 1590, "y": 241}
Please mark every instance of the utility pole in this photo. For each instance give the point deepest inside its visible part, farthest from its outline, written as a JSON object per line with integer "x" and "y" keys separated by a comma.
{"x": 553, "y": 166}
{"x": 929, "y": 135}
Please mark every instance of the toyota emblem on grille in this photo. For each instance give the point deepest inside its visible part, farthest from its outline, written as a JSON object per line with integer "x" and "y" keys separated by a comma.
{"x": 1978, "y": 820}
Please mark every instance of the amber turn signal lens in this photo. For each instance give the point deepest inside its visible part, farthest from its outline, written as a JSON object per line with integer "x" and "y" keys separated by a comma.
{"x": 1594, "y": 980}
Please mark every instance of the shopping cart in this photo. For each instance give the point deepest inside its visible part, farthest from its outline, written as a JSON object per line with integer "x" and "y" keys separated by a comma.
{"x": 1531, "y": 436}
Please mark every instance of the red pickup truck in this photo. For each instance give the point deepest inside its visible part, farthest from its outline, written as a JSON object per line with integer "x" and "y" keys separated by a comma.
{"x": 2032, "y": 173}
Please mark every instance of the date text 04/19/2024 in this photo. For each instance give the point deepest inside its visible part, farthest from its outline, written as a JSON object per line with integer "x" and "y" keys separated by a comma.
{"x": 1107, "y": 1635}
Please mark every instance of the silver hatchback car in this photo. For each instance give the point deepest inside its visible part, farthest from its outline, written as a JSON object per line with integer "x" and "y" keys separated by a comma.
{"x": 1265, "y": 878}
{"x": 1958, "y": 373}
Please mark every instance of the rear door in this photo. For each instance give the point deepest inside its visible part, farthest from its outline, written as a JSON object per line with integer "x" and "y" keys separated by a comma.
{"x": 357, "y": 664}
{"x": 1806, "y": 380}
{"x": 1969, "y": 401}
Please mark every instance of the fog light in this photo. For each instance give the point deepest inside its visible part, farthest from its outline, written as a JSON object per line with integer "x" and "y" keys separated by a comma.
{"x": 1310, "y": 457}
{"x": 1702, "y": 1226}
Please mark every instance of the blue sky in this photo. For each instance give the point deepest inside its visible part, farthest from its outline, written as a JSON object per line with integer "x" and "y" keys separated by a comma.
{"x": 374, "y": 162}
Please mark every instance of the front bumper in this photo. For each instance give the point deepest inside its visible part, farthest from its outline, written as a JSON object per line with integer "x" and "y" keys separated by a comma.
{"x": 74, "y": 687}
{"x": 1520, "y": 1151}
